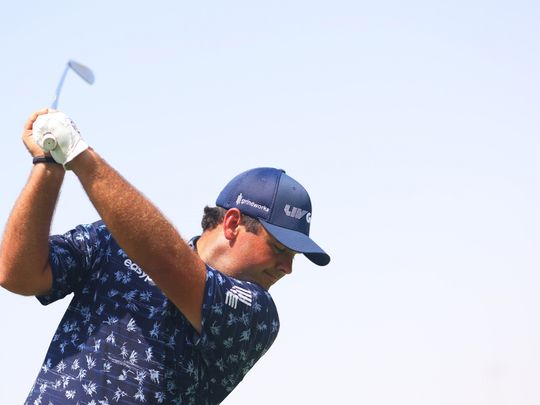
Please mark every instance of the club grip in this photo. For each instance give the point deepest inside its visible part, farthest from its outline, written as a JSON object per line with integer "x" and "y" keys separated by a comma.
{"x": 49, "y": 142}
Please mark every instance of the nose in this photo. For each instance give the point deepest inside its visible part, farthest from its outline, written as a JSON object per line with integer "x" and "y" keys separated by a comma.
{"x": 285, "y": 264}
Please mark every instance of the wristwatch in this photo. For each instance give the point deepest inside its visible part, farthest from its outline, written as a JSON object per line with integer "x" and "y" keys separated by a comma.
{"x": 43, "y": 159}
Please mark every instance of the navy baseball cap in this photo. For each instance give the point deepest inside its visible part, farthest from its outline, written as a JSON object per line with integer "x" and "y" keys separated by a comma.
{"x": 281, "y": 205}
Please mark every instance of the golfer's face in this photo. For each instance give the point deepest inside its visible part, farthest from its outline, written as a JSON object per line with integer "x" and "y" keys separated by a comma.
{"x": 262, "y": 259}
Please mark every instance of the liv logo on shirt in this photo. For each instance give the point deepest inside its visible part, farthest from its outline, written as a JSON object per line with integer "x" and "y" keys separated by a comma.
{"x": 236, "y": 294}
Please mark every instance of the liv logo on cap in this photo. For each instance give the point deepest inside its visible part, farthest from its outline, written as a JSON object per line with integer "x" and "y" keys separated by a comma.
{"x": 280, "y": 203}
{"x": 297, "y": 213}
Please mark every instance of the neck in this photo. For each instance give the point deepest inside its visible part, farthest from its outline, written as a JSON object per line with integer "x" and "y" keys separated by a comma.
{"x": 212, "y": 249}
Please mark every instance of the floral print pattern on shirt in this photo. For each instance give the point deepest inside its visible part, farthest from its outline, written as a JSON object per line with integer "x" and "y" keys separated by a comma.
{"x": 121, "y": 341}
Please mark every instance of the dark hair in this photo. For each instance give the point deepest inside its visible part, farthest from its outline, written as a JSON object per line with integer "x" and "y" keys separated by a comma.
{"x": 213, "y": 216}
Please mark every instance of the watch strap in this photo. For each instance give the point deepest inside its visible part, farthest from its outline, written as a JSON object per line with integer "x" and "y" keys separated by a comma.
{"x": 43, "y": 159}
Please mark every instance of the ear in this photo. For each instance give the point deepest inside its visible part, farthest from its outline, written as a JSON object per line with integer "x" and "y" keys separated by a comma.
{"x": 231, "y": 223}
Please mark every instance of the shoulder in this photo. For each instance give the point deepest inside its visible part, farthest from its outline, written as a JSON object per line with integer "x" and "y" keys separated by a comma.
{"x": 84, "y": 244}
{"x": 235, "y": 290}
{"x": 85, "y": 232}
{"x": 238, "y": 306}
{"x": 239, "y": 324}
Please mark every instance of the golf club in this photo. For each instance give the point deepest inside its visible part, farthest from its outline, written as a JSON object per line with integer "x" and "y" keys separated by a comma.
{"x": 49, "y": 141}
{"x": 84, "y": 73}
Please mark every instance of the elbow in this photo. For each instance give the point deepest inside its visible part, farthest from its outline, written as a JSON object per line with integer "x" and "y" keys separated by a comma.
{"x": 17, "y": 288}
{"x": 13, "y": 284}
{"x": 6, "y": 281}
{"x": 4, "y": 271}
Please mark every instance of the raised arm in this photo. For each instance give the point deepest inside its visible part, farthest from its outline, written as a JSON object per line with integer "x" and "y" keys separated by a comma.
{"x": 24, "y": 264}
{"x": 144, "y": 233}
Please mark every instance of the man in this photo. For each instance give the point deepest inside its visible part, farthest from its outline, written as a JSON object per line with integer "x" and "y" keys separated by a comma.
{"x": 153, "y": 319}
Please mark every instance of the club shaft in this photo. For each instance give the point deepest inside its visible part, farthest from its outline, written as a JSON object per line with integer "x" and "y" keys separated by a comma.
{"x": 54, "y": 104}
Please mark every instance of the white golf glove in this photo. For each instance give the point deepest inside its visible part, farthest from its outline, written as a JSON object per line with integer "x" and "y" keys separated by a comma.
{"x": 57, "y": 133}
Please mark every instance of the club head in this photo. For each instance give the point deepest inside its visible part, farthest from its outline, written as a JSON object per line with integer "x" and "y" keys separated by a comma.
{"x": 82, "y": 71}
{"x": 85, "y": 73}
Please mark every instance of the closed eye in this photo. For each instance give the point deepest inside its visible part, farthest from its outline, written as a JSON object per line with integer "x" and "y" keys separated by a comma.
{"x": 281, "y": 250}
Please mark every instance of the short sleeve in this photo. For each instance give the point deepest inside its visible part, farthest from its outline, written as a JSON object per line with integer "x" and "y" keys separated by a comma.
{"x": 73, "y": 255}
{"x": 240, "y": 323}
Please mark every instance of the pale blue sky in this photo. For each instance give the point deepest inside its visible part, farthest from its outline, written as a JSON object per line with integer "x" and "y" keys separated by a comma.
{"x": 414, "y": 125}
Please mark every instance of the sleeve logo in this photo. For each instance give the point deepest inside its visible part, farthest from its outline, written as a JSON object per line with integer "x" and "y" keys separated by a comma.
{"x": 236, "y": 294}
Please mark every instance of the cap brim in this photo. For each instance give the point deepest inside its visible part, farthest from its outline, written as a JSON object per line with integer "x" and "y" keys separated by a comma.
{"x": 298, "y": 242}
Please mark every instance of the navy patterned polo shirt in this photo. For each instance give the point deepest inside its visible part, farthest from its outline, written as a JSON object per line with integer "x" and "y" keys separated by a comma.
{"x": 121, "y": 341}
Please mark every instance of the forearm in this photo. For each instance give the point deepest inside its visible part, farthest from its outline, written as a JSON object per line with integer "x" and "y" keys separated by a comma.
{"x": 136, "y": 224}
{"x": 144, "y": 234}
{"x": 24, "y": 248}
